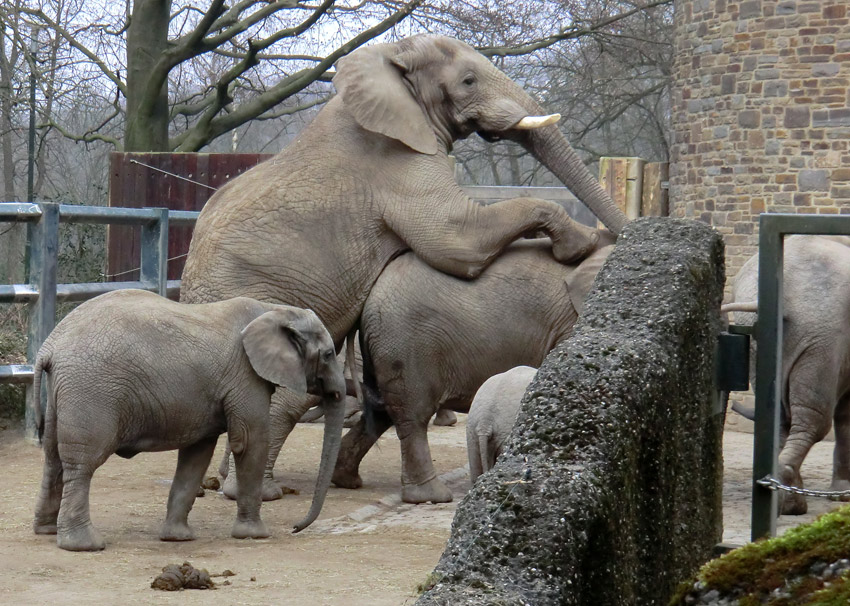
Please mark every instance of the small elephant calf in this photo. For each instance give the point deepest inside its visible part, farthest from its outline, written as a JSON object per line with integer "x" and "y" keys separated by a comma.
{"x": 492, "y": 415}
{"x": 130, "y": 372}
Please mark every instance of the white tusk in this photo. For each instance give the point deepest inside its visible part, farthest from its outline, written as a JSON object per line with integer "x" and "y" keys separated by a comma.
{"x": 743, "y": 306}
{"x": 532, "y": 122}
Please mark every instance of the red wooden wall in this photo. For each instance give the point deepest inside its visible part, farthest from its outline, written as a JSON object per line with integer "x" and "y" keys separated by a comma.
{"x": 137, "y": 180}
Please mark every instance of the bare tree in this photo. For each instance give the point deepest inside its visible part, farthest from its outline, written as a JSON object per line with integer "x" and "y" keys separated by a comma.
{"x": 190, "y": 72}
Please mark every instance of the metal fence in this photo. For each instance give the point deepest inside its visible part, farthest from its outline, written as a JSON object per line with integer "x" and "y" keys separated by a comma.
{"x": 43, "y": 293}
{"x": 772, "y": 231}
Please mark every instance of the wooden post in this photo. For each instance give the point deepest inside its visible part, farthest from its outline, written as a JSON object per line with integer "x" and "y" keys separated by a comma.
{"x": 654, "y": 202}
{"x": 622, "y": 178}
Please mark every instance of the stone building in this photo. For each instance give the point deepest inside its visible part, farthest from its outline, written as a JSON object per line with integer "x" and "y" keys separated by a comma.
{"x": 761, "y": 113}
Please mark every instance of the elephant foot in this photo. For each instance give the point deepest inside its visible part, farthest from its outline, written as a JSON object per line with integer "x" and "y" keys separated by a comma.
{"x": 346, "y": 479}
{"x": 789, "y": 503}
{"x": 229, "y": 487}
{"x": 84, "y": 538}
{"x": 45, "y": 527}
{"x": 271, "y": 491}
{"x": 176, "y": 532}
{"x": 576, "y": 245}
{"x": 840, "y": 485}
{"x": 445, "y": 418}
{"x": 243, "y": 529}
{"x": 352, "y": 420}
{"x": 792, "y": 504}
{"x": 433, "y": 491}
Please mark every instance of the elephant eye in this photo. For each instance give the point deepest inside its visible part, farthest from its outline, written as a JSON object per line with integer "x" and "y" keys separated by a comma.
{"x": 469, "y": 80}
{"x": 328, "y": 354}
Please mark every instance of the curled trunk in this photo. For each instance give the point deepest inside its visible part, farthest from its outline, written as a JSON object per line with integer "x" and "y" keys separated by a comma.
{"x": 550, "y": 147}
{"x": 334, "y": 417}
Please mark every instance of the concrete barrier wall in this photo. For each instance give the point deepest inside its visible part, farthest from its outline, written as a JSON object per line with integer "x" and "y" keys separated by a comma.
{"x": 610, "y": 491}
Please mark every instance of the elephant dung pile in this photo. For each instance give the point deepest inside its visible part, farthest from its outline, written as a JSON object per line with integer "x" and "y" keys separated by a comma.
{"x": 186, "y": 576}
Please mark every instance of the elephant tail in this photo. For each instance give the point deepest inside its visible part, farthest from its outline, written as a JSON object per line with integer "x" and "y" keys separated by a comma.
{"x": 352, "y": 368}
{"x": 484, "y": 453}
{"x": 373, "y": 403}
{"x": 42, "y": 364}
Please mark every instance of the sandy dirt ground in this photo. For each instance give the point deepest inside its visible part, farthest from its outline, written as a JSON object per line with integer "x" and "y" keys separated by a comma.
{"x": 367, "y": 548}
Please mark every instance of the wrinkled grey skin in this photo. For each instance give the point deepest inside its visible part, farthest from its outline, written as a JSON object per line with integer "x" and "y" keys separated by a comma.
{"x": 492, "y": 415}
{"x": 815, "y": 355}
{"x": 370, "y": 178}
{"x": 131, "y": 372}
{"x": 430, "y": 340}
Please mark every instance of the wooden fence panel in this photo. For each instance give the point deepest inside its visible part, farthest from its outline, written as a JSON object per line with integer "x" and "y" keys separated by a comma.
{"x": 174, "y": 181}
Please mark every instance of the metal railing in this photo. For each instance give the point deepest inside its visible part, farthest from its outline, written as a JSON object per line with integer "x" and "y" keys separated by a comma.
{"x": 43, "y": 291}
{"x": 772, "y": 231}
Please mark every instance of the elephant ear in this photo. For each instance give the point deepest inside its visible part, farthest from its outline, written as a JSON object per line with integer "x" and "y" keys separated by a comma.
{"x": 581, "y": 278}
{"x": 370, "y": 81}
{"x": 276, "y": 348}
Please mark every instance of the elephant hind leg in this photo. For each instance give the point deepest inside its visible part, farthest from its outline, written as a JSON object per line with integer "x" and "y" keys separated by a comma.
{"x": 50, "y": 493}
{"x": 355, "y": 444}
{"x": 74, "y": 528}
{"x": 811, "y": 419}
{"x": 419, "y": 481}
{"x": 192, "y": 462}
{"x": 841, "y": 453}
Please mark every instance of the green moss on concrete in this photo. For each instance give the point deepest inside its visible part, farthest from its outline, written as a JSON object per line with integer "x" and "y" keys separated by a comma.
{"x": 751, "y": 573}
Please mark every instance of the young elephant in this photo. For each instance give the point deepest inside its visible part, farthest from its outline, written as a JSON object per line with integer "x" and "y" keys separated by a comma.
{"x": 492, "y": 415}
{"x": 430, "y": 340}
{"x": 131, "y": 372}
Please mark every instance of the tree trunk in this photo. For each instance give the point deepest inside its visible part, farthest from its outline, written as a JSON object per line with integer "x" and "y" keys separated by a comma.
{"x": 147, "y": 101}
{"x": 11, "y": 234}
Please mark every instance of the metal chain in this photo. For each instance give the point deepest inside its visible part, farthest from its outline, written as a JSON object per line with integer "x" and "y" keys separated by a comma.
{"x": 774, "y": 484}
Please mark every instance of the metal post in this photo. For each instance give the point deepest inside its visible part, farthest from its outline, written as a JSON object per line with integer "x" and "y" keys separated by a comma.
{"x": 768, "y": 377}
{"x": 42, "y": 311}
{"x": 154, "y": 266}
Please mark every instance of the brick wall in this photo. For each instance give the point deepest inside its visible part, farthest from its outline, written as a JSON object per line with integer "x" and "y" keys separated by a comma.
{"x": 761, "y": 114}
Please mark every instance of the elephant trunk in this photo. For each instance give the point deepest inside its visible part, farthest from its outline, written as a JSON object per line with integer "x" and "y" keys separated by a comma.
{"x": 550, "y": 147}
{"x": 334, "y": 417}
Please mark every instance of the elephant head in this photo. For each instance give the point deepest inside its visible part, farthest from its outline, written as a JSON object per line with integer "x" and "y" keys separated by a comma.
{"x": 428, "y": 91}
{"x": 294, "y": 349}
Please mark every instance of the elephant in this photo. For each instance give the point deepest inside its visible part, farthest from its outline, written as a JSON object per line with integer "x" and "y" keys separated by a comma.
{"x": 430, "y": 340}
{"x": 130, "y": 371}
{"x": 370, "y": 178}
{"x": 815, "y": 364}
{"x": 492, "y": 415}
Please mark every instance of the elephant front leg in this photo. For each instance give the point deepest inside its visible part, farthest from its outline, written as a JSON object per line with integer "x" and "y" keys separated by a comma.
{"x": 250, "y": 451}
{"x": 285, "y": 411}
{"x": 192, "y": 462}
{"x": 470, "y": 235}
{"x": 419, "y": 481}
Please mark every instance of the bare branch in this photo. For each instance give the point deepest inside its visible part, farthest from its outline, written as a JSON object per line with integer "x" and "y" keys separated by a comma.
{"x": 210, "y": 126}
{"x": 566, "y": 34}
{"x": 86, "y": 138}
{"x": 71, "y": 39}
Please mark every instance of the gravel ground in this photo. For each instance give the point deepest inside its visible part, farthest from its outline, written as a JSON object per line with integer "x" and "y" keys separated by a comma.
{"x": 366, "y": 548}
